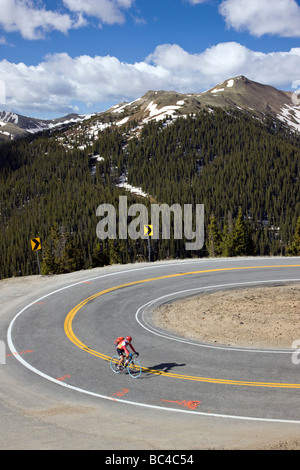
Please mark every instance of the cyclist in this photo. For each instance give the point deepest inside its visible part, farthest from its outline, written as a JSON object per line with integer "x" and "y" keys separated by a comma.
{"x": 122, "y": 347}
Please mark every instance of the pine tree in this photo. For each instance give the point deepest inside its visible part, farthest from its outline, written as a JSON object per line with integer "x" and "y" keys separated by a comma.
{"x": 100, "y": 256}
{"x": 114, "y": 251}
{"x": 214, "y": 238}
{"x": 239, "y": 239}
{"x": 294, "y": 248}
{"x": 61, "y": 253}
{"x": 220, "y": 159}
{"x": 71, "y": 259}
{"x": 50, "y": 252}
{"x": 227, "y": 248}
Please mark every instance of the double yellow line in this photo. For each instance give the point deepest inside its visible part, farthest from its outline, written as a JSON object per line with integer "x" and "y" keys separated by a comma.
{"x": 72, "y": 337}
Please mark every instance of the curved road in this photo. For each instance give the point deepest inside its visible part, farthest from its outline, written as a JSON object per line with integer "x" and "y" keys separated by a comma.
{"x": 65, "y": 338}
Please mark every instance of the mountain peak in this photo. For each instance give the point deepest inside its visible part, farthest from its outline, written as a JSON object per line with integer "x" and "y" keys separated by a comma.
{"x": 256, "y": 99}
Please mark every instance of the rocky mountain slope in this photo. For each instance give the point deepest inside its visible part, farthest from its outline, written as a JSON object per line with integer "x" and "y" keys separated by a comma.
{"x": 14, "y": 125}
{"x": 238, "y": 93}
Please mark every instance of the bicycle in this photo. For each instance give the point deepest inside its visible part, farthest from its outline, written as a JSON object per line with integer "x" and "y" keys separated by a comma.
{"x": 132, "y": 367}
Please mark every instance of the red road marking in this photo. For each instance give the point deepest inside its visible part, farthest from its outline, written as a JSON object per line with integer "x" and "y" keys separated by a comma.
{"x": 63, "y": 377}
{"x": 20, "y": 353}
{"x": 192, "y": 404}
{"x": 121, "y": 393}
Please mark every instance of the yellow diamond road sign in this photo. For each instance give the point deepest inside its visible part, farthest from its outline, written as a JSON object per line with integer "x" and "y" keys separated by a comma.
{"x": 35, "y": 244}
{"x": 148, "y": 230}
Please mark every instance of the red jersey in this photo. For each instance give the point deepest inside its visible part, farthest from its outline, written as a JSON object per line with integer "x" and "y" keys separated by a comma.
{"x": 123, "y": 345}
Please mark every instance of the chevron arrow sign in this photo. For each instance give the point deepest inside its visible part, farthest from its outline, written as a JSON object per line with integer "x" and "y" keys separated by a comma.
{"x": 35, "y": 244}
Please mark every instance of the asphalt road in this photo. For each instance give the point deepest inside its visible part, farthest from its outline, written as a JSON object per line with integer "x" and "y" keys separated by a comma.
{"x": 60, "y": 338}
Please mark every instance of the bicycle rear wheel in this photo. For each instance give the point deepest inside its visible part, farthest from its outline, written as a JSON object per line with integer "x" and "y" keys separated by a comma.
{"x": 134, "y": 369}
{"x": 114, "y": 364}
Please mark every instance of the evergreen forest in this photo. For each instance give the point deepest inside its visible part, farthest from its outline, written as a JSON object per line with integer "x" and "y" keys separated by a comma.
{"x": 246, "y": 173}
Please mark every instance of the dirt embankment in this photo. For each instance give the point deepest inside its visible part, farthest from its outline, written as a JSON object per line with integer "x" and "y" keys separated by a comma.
{"x": 267, "y": 317}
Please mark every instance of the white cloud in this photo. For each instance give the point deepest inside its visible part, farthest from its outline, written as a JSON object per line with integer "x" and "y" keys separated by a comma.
{"x": 108, "y": 11}
{"x": 59, "y": 81}
{"x": 2, "y": 40}
{"x": 196, "y": 2}
{"x": 259, "y": 17}
{"x": 223, "y": 61}
{"x": 32, "y": 22}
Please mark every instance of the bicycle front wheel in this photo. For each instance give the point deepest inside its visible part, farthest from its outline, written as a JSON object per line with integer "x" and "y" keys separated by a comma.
{"x": 134, "y": 369}
{"x": 114, "y": 363}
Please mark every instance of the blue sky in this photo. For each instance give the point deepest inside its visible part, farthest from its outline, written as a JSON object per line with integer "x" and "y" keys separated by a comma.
{"x": 83, "y": 56}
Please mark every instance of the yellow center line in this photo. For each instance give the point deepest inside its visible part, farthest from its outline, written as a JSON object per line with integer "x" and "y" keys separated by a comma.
{"x": 73, "y": 338}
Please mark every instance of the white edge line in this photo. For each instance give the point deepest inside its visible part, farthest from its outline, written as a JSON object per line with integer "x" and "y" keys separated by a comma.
{"x": 155, "y": 407}
{"x": 145, "y": 405}
{"x": 207, "y": 345}
{"x": 87, "y": 392}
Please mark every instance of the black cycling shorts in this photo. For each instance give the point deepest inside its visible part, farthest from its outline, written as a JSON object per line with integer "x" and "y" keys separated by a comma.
{"x": 120, "y": 352}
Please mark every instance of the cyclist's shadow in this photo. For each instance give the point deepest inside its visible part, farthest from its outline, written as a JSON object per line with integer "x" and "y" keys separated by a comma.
{"x": 162, "y": 368}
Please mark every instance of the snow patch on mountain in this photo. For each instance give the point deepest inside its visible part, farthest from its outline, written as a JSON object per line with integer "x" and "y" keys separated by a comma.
{"x": 160, "y": 113}
{"x": 132, "y": 189}
{"x": 290, "y": 115}
{"x": 120, "y": 108}
{"x": 216, "y": 90}
{"x": 123, "y": 121}
{"x": 8, "y": 116}
{"x": 237, "y": 92}
{"x": 222, "y": 86}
